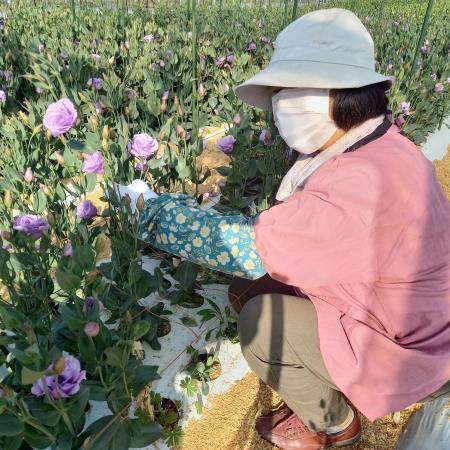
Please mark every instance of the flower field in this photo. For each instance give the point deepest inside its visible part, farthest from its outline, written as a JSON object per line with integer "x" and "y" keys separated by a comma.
{"x": 93, "y": 94}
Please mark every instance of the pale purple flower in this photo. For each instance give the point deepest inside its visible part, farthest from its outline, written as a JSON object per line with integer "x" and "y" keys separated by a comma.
{"x": 60, "y": 117}
{"x": 404, "y": 106}
{"x": 92, "y": 329}
{"x": 230, "y": 58}
{"x": 148, "y": 38}
{"x": 89, "y": 304}
{"x": 96, "y": 57}
{"x": 7, "y": 75}
{"x": 390, "y": 66}
{"x": 251, "y": 46}
{"x": 219, "y": 61}
{"x": 397, "y": 24}
{"x": 94, "y": 163}
{"x": 31, "y": 225}
{"x": 392, "y": 78}
{"x": 96, "y": 83}
{"x": 67, "y": 251}
{"x": 189, "y": 34}
{"x": 39, "y": 90}
{"x": 141, "y": 167}
{"x": 165, "y": 96}
{"x": 424, "y": 50}
{"x": 131, "y": 93}
{"x": 153, "y": 66}
{"x": 221, "y": 184}
{"x": 447, "y": 81}
{"x": 127, "y": 45}
{"x": 2, "y": 23}
{"x": 61, "y": 385}
{"x": 264, "y": 39}
{"x": 266, "y": 138}
{"x": 2, "y": 96}
{"x": 63, "y": 56}
{"x": 162, "y": 63}
{"x": 94, "y": 44}
{"x": 438, "y": 88}
{"x": 433, "y": 76}
{"x": 226, "y": 144}
{"x": 98, "y": 108}
{"x": 86, "y": 210}
{"x": 6, "y": 247}
{"x": 237, "y": 119}
{"x": 28, "y": 176}
{"x": 143, "y": 146}
{"x": 274, "y": 45}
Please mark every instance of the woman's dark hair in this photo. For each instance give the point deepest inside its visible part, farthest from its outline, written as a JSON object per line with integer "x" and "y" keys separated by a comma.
{"x": 352, "y": 107}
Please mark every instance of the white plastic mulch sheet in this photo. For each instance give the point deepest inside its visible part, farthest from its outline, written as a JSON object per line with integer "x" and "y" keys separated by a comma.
{"x": 173, "y": 357}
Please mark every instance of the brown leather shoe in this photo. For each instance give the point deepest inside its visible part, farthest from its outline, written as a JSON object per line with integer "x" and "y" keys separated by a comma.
{"x": 287, "y": 431}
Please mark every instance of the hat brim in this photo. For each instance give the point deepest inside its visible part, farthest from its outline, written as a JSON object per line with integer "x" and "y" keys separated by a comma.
{"x": 257, "y": 91}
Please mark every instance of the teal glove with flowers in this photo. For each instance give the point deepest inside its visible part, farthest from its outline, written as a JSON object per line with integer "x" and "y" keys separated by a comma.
{"x": 176, "y": 224}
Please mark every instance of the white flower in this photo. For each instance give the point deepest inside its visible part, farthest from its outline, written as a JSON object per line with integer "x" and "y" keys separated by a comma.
{"x": 248, "y": 264}
{"x": 223, "y": 258}
{"x": 188, "y": 247}
{"x": 172, "y": 238}
{"x": 252, "y": 255}
{"x": 235, "y": 228}
{"x": 170, "y": 205}
{"x": 180, "y": 218}
{"x": 164, "y": 238}
{"x": 223, "y": 225}
{"x": 197, "y": 242}
{"x": 195, "y": 226}
{"x": 212, "y": 262}
{"x": 233, "y": 240}
{"x": 204, "y": 232}
{"x": 234, "y": 250}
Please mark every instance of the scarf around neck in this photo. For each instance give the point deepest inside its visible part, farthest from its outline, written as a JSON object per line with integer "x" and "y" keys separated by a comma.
{"x": 306, "y": 165}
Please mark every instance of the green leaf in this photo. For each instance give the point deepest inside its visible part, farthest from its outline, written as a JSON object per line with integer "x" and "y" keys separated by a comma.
{"x": 30, "y": 376}
{"x": 114, "y": 357}
{"x": 186, "y": 274}
{"x": 143, "y": 434}
{"x": 77, "y": 404}
{"x": 67, "y": 280}
{"x": 97, "y": 391}
{"x": 141, "y": 377}
{"x": 35, "y": 438}
{"x": 12, "y": 442}
{"x": 188, "y": 321}
{"x": 12, "y": 318}
{"x": 140, "y": 329}
{"x": 10, "y": 425}
{"x": 43, "y": 412}
{"x": 70, "y": 317}
{"x": 84, "y": 256}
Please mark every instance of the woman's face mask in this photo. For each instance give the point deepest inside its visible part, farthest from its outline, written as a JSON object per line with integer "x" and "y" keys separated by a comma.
{"x": 301, "y": 116}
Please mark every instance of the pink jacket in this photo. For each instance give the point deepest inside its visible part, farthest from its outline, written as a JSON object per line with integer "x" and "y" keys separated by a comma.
{"x": 368, "y": 241}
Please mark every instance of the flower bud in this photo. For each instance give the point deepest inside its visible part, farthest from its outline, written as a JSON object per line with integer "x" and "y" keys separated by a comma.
{"x": 28, "y": 176}
{"x": 59, "y": 365}
{"x": 163, "y": 106}
{"x": 111, "y": 61}
{"x": 201, "y": 90}
{"x": 105, "y": 132}
{"x": 45, "y": 189}
{"x": 23, "y": 117}
{"x": 48, "y": 135}
{"x": 105, "y": 144}
{"x": 8, "y": 198}
{"x": 51, "y": 219}
{"x": 140, "y": 202}
{"x": 59, "y": 158}
{"x": 94, "y": 123}
{"x": 237, "y": 119}
{"x": 92, "y": 329}
{"x": 181, "y": 132}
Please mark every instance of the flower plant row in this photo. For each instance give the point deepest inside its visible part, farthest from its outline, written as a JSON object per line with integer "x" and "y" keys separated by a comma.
{"x": 109, "y": 95}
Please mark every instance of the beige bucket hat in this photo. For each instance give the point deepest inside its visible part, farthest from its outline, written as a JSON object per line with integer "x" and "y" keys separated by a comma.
{"x": 328, "y": 48}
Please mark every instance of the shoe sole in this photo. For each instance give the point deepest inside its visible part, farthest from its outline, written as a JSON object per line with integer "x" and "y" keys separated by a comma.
{"x": 350, "y": 441}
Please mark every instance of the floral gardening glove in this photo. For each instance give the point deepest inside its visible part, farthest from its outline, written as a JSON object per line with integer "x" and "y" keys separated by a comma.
{"x": 176, "y": 224}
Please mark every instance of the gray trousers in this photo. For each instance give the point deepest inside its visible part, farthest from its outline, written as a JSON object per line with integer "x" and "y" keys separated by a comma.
{"x": 280, "y": 341}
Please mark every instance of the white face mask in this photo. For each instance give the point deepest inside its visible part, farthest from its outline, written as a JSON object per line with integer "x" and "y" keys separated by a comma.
{"x": 301, "y": 116}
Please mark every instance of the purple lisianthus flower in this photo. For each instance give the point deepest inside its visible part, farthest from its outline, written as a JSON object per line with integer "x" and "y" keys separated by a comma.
{"x": 92, "y": 329}
{"x": 153, "y": 66}
{"x": 162, "y": 63}
{"x": 2, "y": 23}
{"x": 94, "y": 163}
{"x": 438, "y": 88}
{"x": 148, "y": 38}
{"x": 131, "y": 93}
{"x": 96, "y": 57}
{"x": 2, "y": 96}
{"x": 251, "y": 46}
{"x": 7, "y": 75}
{"x": 98, "y": 108}
{"x": 143, "y": 146}
{"x": 219, "y": 61}
{"x": 89, "y": 303}
{"x": 39, "y": 90}
{"x": 61, "y": 385}
{"x": 230, "y": 58}
{"x": 86, "y": 210}
{"x": 60, "y": 117}
{"x": 424, "y": 50}
{"x": 237, "y": 119}
{"x": 31, "y": 225}
{"x": 141, "y": 167}
{"x": 165, "y": 96}
{"x": 266, "y": 138}
{"x": 274, "y": 45}
{"x": 97, "y": 83}
{"x": 67, "y": 251}
{"x": 226, "y": 144}
{"x": 404, "y": 106}
{"x": 189, "y": 34}
{"x": 264, "y": 39}
{"x": 94, "y": 44}
{"x": 6, "y": 247}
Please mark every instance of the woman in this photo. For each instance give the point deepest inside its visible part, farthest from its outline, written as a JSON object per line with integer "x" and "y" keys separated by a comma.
{"x": 350, "y": 307}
